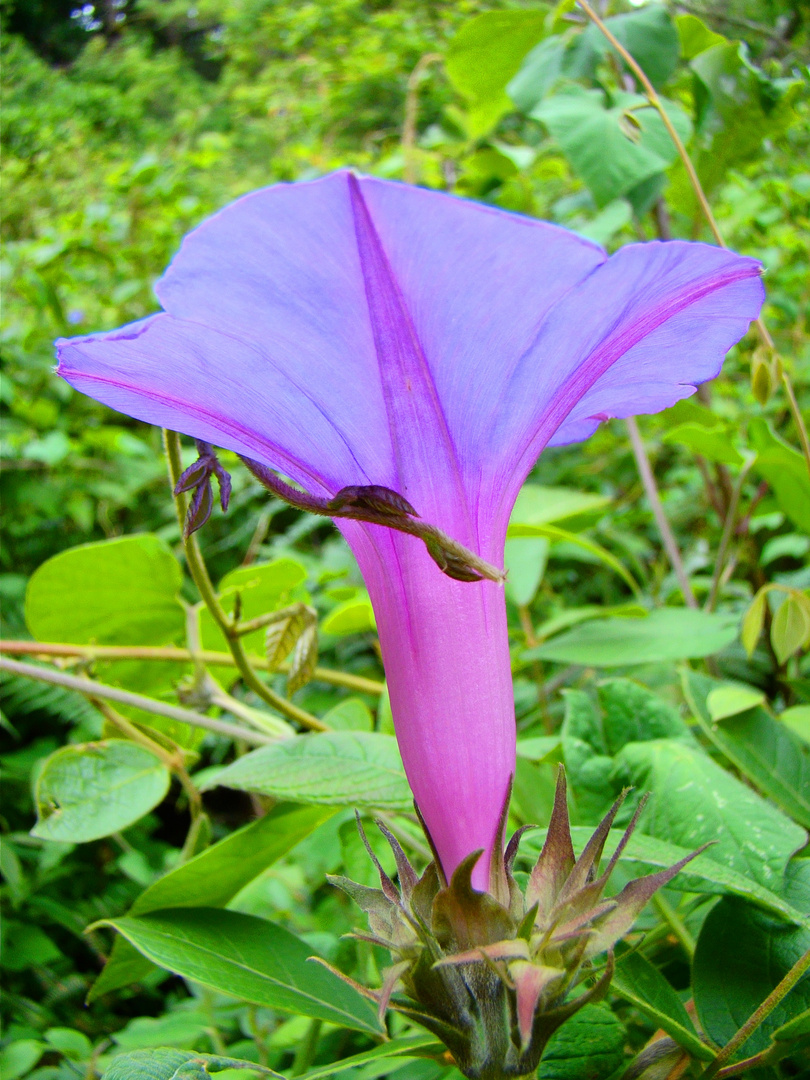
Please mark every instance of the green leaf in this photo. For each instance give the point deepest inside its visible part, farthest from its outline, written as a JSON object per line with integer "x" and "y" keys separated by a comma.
{"x": 632, "y": 713}
{"x": 165, "y": 1063}
{"x": 753, "y": 621}
{"x": 596, "y": 552}
{"x": 666, "y": 634}
{"x": 741, "y": 955}
{"x": 340, "y": 768}
{"x": 695, "y": 36}
{"x": 351, "y": 714}
{"x": 572, "y": 616}
{"x": 712, "y": 443}
{"x": 261, "y": 588}
{"x": 26, "y": 945}
{"x": 695, "y": 801}
{"x": 212, "y": 879}
{"x": 731, "y": 700}
{"x": 88, "y": 791}
{"x": 410, "y": 1046}
{"x": 248, "y": 958}
{"x": 643, "y": 985}
{"x": 484, "y": 55}
{"x": 611, "y": 149}
{"x": 590, "y": 1044}
{"x": 354, "y": 616}
{"x": 770, "y": 755}
{"x": 649, "y": 35}
{"x": 538, "y": 73}
{"x": 115, "y": 592}
{"x": 539, "y": 505}
{"x": 797, "y": 719}
{"x": 19, "y": 1057}
{"x": 525, "y": 562}
{"x": 790, "y": 629}
{"x": 785, "y": 470}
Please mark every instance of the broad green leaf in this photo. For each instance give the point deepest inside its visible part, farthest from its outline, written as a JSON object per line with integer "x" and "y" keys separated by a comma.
{"x": 539, "y": 505}
{"x": 790, "y": 629}
{"x": 797, "y": 719}
{"x": 340, "y": 768}
{"x": 115, "y": 592}
{"x": 646, "y": 853}
{"x": 593, "y": 552}
{"x": 753, "y": 621}
{"x": 695, "y": 36}
{"x": 632, "y": 713}
{"x": 572, "y": 616}
{"x": 666, "y": 634}
{"x": 26, "y": 945}
{"x": 712, "y": 443}
{"x": 91, "y": 790}
{"x": 351, "y": 714}
{"x": 649, "y": 35}
{"x": 484, "y": 55}
{"x": 768, "y": 753}
{"x": 179, "y": 1028}
{"x": 611, "y": 149}
{"x": 694, "y": 801}
{"x": 525, "y": 562}
{"x": 19, "y": 1057}
{"x": 590, "y": 1044}
{"x": 741, "y": 956}
{"x": 642, "y": 984}
{"x": 785, "y": 470}
{"x": 248, "y": 958}
{"x": 731, "y": 700}
{"x": 351, "y": 617}
{"x": 587, "y": 761}
{"x": 261, "y": 588}
{"x": 73, "y": 1044}
{"x": 212, "y": 879}
{"x": 540, "y": 70}
{"x": 165, "y": 1063}
{"x": 791, "y": 545}
{"x": 739, "y": 108}
{"x": 410, "y": 1046}
{"x": 538, "y": 747}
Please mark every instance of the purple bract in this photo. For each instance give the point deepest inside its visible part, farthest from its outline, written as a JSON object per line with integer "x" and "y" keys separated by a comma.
{"x": 353, "y": 331}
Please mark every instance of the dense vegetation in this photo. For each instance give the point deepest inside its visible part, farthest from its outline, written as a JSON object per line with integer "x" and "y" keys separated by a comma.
{"x": 125, "y": 124}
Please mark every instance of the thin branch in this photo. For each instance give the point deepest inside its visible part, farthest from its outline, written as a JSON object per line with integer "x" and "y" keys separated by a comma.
{"x": 93, "y": 689}
{"x": 762, "y": 1012}
{"x": 728, "y": 532}
{"x": 169, "y": 653}
{"x": 199, "y": 572}
{"x": 411, "y": 111}
{"x": 700, "y": 194}
{"x": 664, "y": 528}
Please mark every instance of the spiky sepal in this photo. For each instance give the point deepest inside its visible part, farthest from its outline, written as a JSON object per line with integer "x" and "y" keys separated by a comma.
{"x": 494, "y": 974}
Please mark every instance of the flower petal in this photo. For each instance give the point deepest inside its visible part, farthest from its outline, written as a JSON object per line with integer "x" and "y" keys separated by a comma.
{"x": 636, "y": 335}
{"x": 228, "y": 391}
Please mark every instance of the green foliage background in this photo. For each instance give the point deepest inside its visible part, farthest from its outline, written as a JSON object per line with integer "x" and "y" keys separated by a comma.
{"x": 126, "y": 124}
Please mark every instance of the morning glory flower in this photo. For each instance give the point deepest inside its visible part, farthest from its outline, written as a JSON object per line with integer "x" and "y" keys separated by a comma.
{"x": 354, "y": 332}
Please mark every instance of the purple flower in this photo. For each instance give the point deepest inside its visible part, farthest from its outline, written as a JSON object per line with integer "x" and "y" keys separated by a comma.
{"x": 352, "y": 331}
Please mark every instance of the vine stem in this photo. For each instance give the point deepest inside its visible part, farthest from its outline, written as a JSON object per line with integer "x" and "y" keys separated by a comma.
{"x": 700, "y": 194}
{"x": 92, "y": 689}
{"x": 199, "y": 573}
{"x": 664, "y": 528}
{"x": 170, "y": 653}
{"x": 759, "y": 1014}
{"x": 728, "y": 530}
{"x": 411, "y": 110}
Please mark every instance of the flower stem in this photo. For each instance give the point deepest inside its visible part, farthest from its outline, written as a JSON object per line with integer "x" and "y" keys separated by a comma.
{"x": 700, "y": 194}
{"x": 664, "y": 528}
{"x": 169, "y": 653}
{"x": 762, "y": 1012}
{"x": 199, "y": 572}
{"x": 93, "y": 689}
